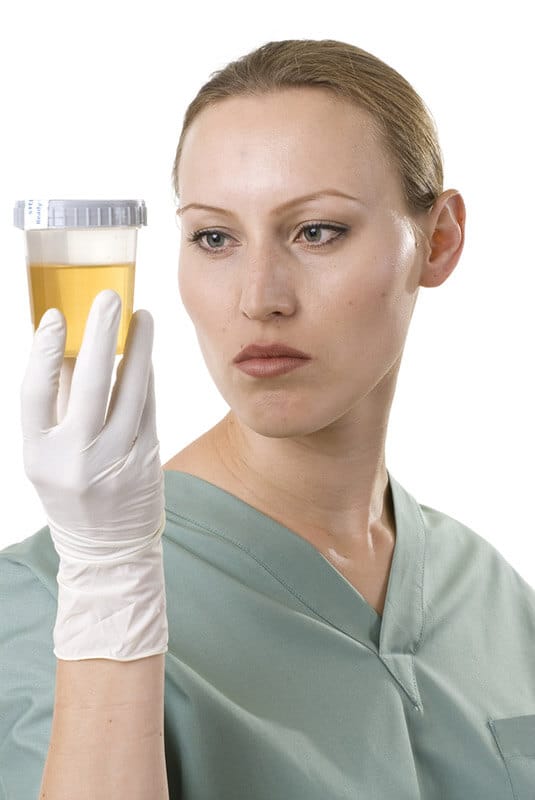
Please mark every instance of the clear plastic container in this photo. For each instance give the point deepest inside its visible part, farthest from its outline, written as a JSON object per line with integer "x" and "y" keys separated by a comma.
{"x": 74, "y": 250}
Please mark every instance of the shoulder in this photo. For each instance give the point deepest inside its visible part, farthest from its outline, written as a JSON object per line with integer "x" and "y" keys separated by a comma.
{"x": 28, "y": 592}
{"x": 458, "y": 556}
{"x": 33, "y": 558}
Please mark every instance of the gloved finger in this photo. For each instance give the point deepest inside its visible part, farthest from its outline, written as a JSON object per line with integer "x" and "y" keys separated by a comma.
{"x": 130, "y": 391}
{"x": 147, "y": 425}
{"x": 39, "y": 389}
{"x": 115, "y": 390}
{"x": 91, "y": 378}
{"x": 65, "y": 379}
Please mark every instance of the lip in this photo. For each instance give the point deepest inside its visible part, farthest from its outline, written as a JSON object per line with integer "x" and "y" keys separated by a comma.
{"x": 270, "y": 367}
{"x": 273, "y": 350}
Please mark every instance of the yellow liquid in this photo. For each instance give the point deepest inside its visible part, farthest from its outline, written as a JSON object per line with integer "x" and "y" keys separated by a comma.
{"x": 72, "y": 289}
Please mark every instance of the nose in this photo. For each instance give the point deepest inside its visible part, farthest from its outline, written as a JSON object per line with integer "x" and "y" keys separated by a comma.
{"x": 267, "y": 286}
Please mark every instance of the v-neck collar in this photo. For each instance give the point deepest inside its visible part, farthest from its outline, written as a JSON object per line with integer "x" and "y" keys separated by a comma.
{"x": 394, "y": 636}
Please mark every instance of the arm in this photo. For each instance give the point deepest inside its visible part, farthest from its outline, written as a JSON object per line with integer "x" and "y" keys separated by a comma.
{"x": 98, "y": 474}
{"x": 107, "y": 736}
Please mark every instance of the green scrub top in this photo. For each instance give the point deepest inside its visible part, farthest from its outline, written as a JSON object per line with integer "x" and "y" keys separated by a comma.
{"x": 281, "y": 681}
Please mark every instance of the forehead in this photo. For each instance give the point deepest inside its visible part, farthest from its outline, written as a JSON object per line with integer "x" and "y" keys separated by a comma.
{"x": 290, "y": 139}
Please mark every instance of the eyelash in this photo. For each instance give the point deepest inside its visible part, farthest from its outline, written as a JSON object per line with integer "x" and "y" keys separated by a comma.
{"x": 194, "y": 237}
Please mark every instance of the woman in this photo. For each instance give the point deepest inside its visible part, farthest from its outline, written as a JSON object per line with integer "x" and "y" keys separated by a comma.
{"x": 329, "y": 636}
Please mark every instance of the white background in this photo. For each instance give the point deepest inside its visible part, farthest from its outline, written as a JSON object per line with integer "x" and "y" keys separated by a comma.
{"x": 92, "y": 106}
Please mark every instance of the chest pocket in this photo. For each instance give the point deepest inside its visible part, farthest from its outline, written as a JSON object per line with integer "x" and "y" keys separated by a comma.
{"x": 515, "y": 737}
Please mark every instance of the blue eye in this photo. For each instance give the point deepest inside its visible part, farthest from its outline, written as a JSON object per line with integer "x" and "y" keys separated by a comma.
{"x": 197, "y": 236}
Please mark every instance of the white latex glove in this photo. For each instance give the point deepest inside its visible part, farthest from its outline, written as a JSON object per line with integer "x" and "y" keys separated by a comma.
{"x": 101, "y": 484}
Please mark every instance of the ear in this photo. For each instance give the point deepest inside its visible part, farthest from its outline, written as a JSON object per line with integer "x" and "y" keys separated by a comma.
{"x": 444, "y": 228}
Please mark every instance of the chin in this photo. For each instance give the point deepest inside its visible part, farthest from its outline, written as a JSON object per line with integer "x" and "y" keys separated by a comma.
{"x": 275, "y": 419}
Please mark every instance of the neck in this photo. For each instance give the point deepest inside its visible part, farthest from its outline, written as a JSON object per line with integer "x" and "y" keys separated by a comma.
{"x": 323, "y": 483}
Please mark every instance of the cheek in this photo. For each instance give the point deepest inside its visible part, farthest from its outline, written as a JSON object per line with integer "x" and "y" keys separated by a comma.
{"x": 374, "y": 309}
{"x": 186, "y": 285}
{"x": 385, "y": 285}
{"x": 362, "y": 294}
{"x": 195, "y": 295}
{"x": 206, "y": 305}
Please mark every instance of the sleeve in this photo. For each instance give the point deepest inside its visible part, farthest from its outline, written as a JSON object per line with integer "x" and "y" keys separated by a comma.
{"x": 27, "y": 679}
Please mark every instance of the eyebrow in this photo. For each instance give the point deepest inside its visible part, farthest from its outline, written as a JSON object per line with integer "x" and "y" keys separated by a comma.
{"x": 305, "y": 198}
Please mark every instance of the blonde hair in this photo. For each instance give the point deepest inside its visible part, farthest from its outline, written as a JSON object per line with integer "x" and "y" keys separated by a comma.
{"x": 405, "y": 124}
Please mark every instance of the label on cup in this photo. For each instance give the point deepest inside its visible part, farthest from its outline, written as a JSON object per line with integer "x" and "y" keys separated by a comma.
{"x": 35, "y": 214}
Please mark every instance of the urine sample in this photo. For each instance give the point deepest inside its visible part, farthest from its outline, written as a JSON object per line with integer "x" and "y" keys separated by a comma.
{"x": 74, "y": 250}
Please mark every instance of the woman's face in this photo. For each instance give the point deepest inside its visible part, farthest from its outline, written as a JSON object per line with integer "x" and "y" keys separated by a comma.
{"x": 343, "y": 295}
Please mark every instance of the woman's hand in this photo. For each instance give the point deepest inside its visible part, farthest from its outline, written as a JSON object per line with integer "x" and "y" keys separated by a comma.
{"x": 98, "y": 474}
